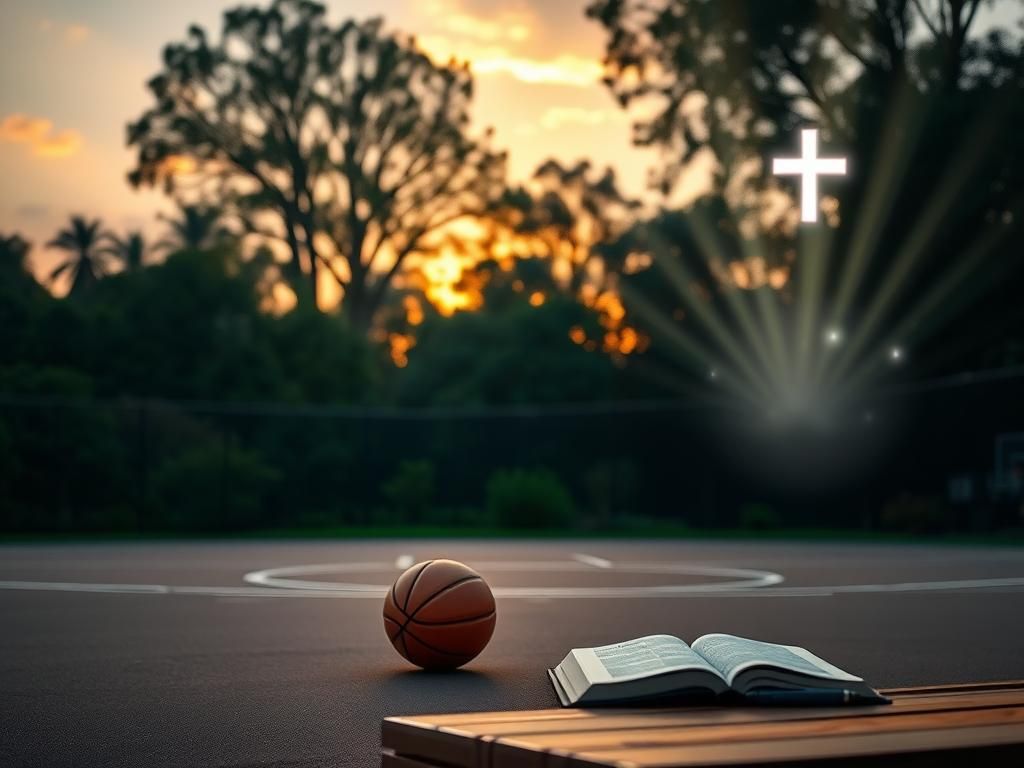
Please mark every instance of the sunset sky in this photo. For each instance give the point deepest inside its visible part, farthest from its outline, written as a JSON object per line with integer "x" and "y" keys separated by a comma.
{"x": 72, "y": 76}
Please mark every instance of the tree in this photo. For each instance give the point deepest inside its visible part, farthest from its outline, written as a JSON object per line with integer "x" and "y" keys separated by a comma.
{"x": 928, "y": 105}
{"x": 14, "y": 269}
{"x": 82, "y": 240}
{"x": 130, "y": 250}
{"x": 13, "y": 252}
{"x": 20, "y": 297}
{"x": 343, "y": 142}
{"x": 507, "y": 353}
{"x": 196, "y": 228}
{"x": 734, "y": 76}
{"x": 572, "y": 217}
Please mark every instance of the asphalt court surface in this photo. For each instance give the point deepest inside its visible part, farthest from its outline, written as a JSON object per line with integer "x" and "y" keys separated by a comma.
{"x": 274, "y": 654}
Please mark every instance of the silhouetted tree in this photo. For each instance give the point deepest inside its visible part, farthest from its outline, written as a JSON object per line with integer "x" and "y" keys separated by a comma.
{"x": 344, "y": 142}
{"x": 130, "y": 250}
{"x": 82, "y": 240}
{"x": 13, "y": 253}
{"x": 571, "y": 216}
{"x": 507, "y": 353}
{"x": 929, "y": 107}
{"x": 195, "y": 228}
{"x": 20, "y": 295}
{"x": 734, "y": 76}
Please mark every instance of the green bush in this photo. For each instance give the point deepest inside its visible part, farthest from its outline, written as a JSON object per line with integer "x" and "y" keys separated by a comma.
{"x": 915, "y": 514}
{"x": 410, "y": 491}
{"x": 759, "y": 517}
{"x": 521, "y": 498}
{"x": 214, "y": 487}
{"x": 65, "y": 465}
{"x": 612, "y": 486}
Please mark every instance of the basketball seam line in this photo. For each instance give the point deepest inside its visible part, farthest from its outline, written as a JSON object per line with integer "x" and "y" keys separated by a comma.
{"x": 394, "y": 597}
{"x": 411, "y": 618}
{"x": 455, "y": 622}
{"x": 405, "y": 606}
{"x": 428, "y": 646}
{"x": 400, "y": 636}
{"x": 440, "y": 592}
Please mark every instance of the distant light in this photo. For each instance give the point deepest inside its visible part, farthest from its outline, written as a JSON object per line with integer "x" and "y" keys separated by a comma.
{"x": 834, "y": 337}
{"x": 896, "y": 354}
{"x": 713, "y": 374}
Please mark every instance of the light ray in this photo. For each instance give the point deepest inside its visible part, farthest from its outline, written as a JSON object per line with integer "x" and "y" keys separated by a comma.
{"x": 928, "y": 223}
{"x": 695, "y": 355}
{"x": 923, "y": 320}
{"x": 706, "y": 239}
{"x": 887, "y": 175}
{"x": 683, "y": 281}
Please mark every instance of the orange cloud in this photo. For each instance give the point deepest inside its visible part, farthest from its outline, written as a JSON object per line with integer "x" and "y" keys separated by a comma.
{"x": 76, "y": 33}
{"x": 449, "y": 16}
{"x": 37, "y": 133}
{"x": 562, "y": 70}
{"x": 494, "y": 44}
{"x": 72, "y": 33}
{"x": 495, "y": 59}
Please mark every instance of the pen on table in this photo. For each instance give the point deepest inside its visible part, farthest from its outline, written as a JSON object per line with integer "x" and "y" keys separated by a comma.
{"x": 814, "y": 698}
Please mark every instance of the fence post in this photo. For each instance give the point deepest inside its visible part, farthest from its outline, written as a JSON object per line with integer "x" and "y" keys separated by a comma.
{"x": 142, "y": 424}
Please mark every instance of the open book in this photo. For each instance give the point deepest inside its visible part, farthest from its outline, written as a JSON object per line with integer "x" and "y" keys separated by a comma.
{"x": 661, "y": 666}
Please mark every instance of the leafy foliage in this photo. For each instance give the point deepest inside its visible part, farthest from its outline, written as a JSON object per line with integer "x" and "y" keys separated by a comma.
{"x": 928, "y": 104}
{"x": 531, "y": 499}
{"x": 318, "y": 133}
{"x": 213, "y": 488}
{"x": 516, "y": 353}
{"x": 410, "y": 491}
{"x": 85, "y": 263}
{"x": 130, "y": 250}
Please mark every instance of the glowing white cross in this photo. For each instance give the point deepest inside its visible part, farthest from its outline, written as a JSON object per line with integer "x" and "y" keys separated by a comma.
{"x": 809, "y": 167}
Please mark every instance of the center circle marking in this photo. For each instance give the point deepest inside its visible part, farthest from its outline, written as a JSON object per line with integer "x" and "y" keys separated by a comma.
{"x": 732, "y": 579}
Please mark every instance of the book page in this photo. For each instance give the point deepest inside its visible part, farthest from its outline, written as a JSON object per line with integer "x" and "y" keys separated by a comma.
{"x": 732, "y": 655}
{"x": 642, "y": 657}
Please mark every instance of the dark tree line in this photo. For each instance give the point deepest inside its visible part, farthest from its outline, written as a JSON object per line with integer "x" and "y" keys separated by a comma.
{"x": 302, "y": 152}
{"x": 929, "y": 105}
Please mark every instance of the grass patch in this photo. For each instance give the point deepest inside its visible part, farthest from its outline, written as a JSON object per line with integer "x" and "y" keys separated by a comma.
{"x": 635, "y": 531}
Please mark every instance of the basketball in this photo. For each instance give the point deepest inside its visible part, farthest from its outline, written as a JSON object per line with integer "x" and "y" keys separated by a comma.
{"x": 439, "y": 614}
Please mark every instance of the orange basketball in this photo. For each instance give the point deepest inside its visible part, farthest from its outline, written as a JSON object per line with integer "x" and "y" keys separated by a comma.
{"x": 439, "y": 614}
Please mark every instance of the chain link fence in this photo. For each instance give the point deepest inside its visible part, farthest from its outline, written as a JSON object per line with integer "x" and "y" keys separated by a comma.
{"x": 921, "y": 459}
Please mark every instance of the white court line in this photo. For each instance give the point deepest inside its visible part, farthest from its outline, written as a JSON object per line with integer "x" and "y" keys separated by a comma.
{"x": 673, "y": 592}
{"x": 402, "y": 562}
{"x": 738, "y": 582}
{"x": 734, "y": 578}
{"x": 597, "y": 562}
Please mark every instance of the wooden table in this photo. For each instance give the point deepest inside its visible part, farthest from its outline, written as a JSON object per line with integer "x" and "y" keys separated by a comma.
{"x": 977, "y": 725}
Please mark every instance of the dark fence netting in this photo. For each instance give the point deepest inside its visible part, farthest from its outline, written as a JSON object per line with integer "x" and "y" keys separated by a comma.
{"x": 945, "y": 457}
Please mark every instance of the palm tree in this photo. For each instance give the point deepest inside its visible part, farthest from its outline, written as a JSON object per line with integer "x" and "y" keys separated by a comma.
{"x": 82, "y": 240}
{"x": 197, "y": 228}
{"x": 129, "y": 250}
{"x": 13, "y": 250}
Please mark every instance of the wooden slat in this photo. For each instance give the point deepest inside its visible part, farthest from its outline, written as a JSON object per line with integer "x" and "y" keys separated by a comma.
{"x": 462, "y": 718}
{"x": 680, "y": 739}
{"x": 928, "y": 690}
{"x": 497, "y": 739}
{"x": 539, "y": 721}
{"x": 388, "y": 760}
{"x": 457, "y": 742}
{"x": 755, "y": 753}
